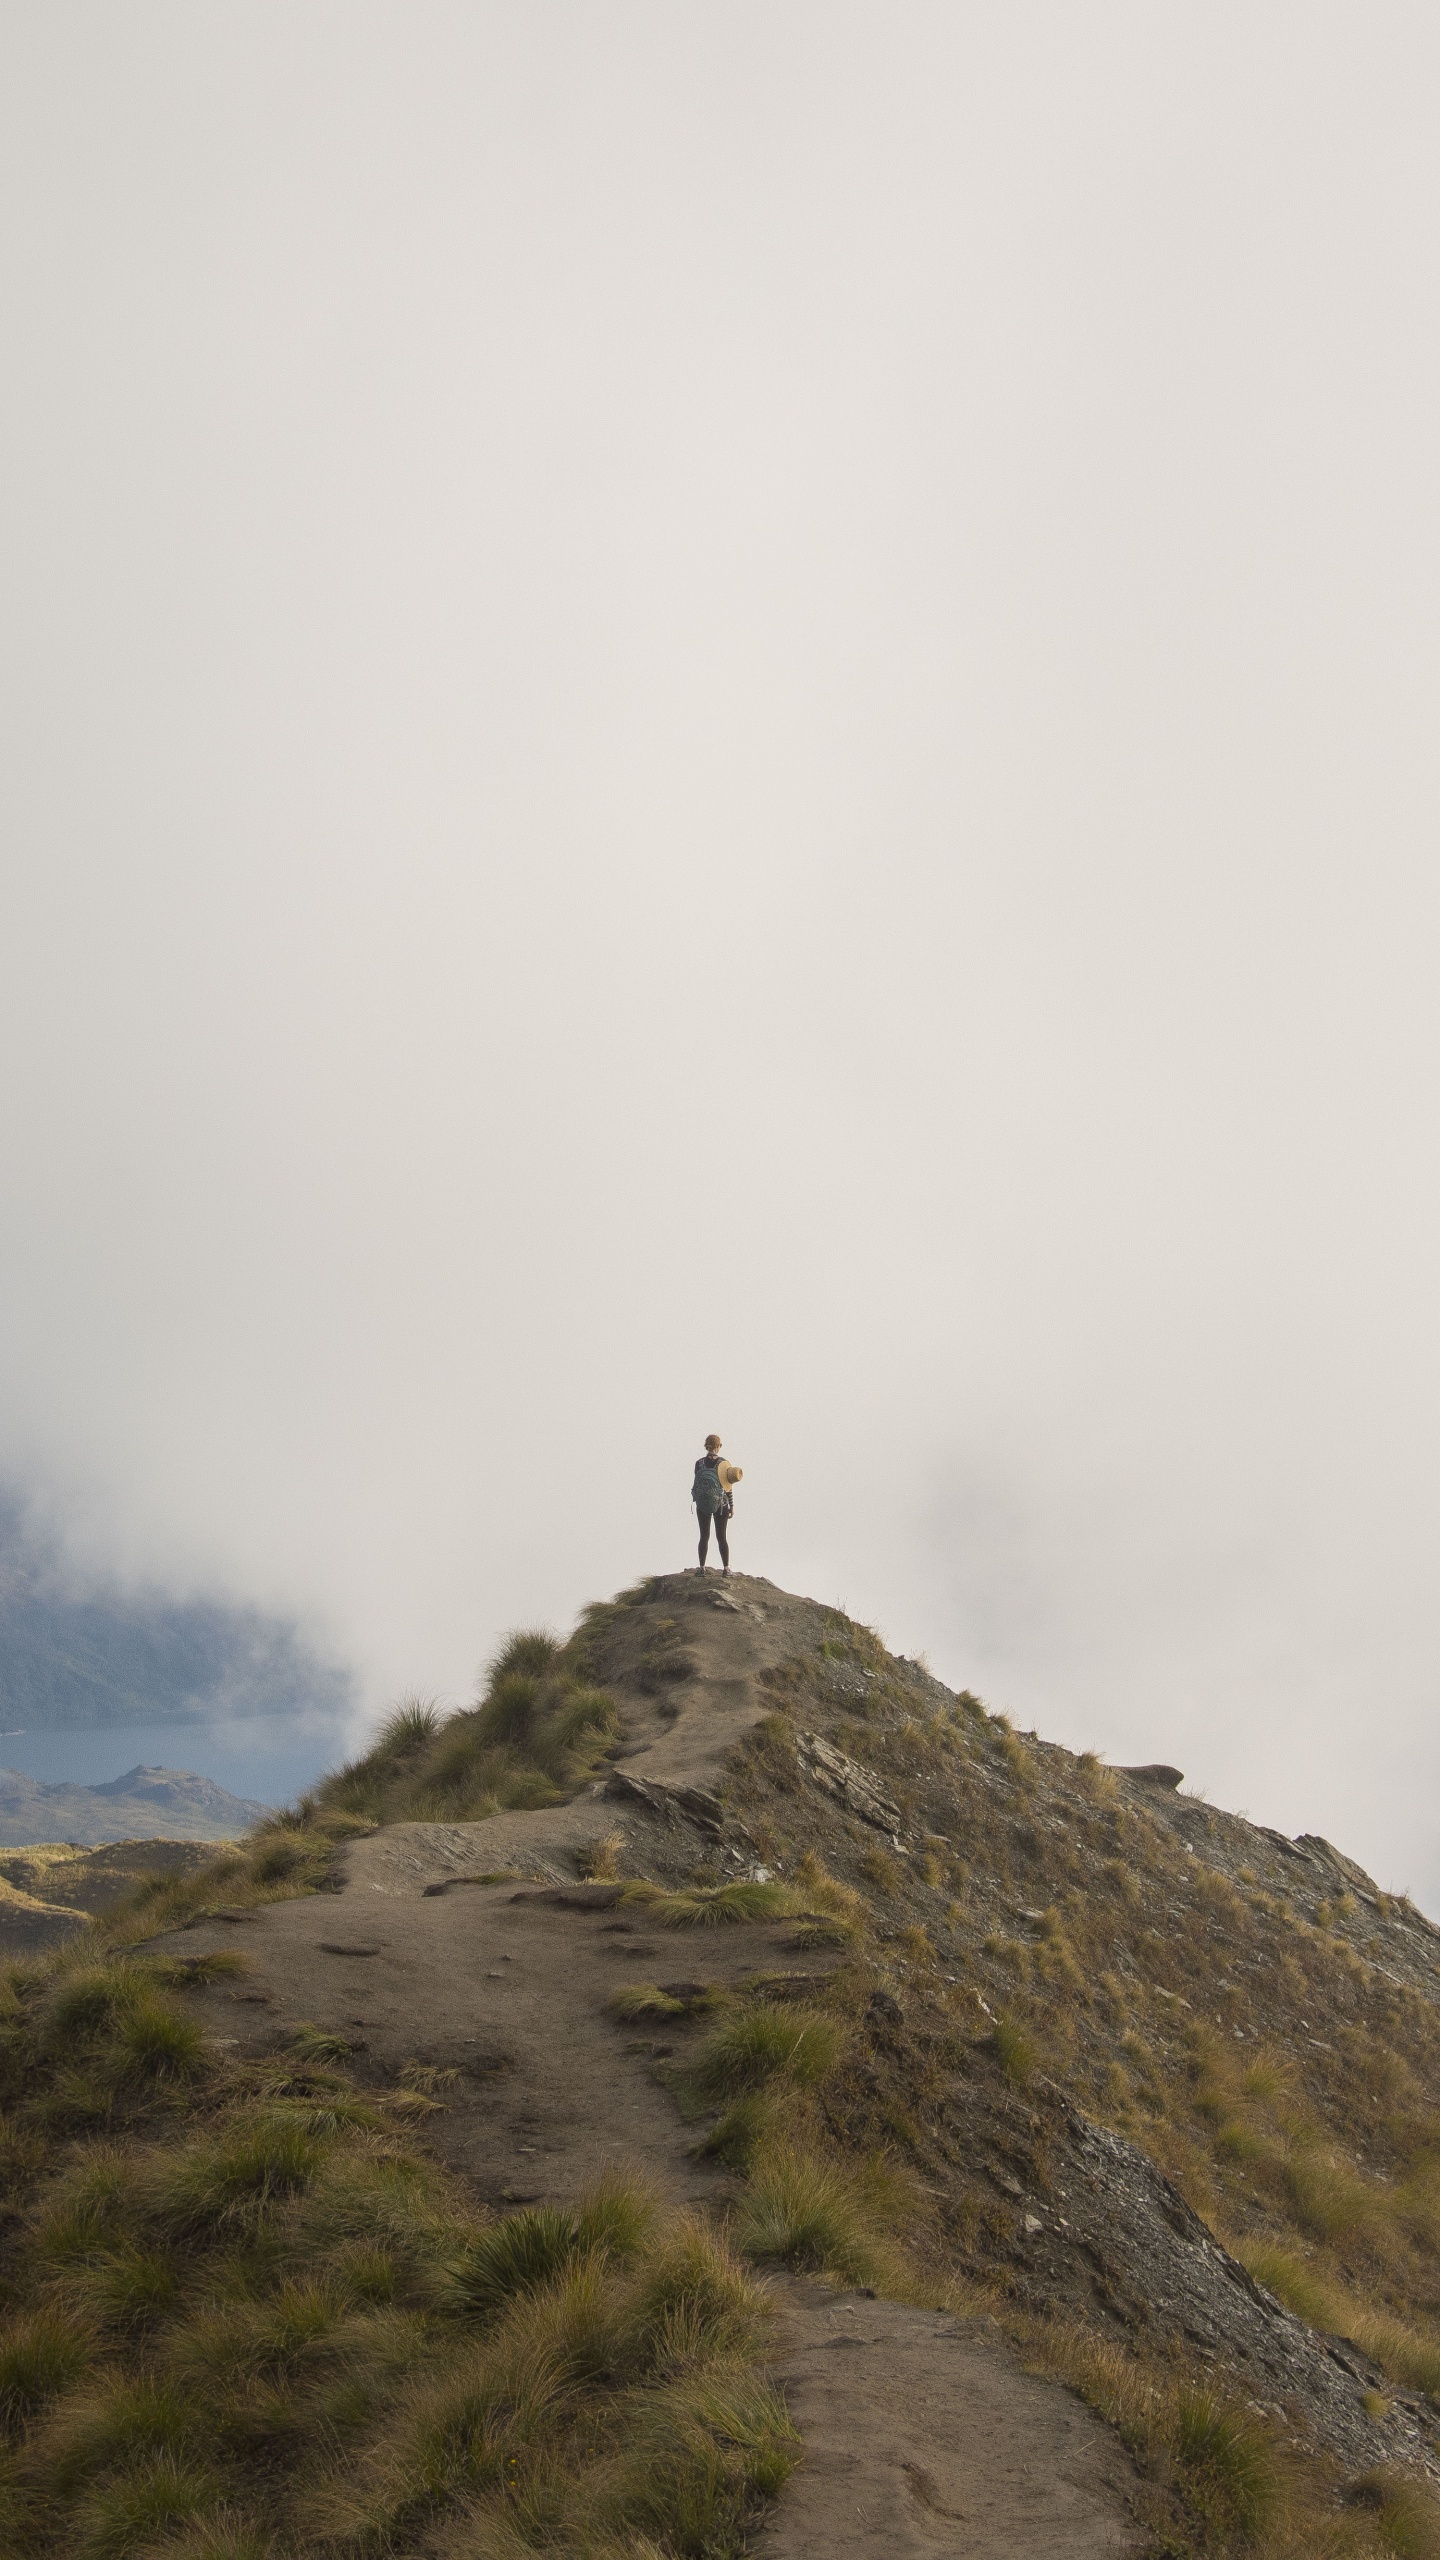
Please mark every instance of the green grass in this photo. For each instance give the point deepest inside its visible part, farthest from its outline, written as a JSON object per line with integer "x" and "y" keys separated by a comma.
{"x": 802, "y": 2211}
{"x": 712, "y": 1906}
{"x": 262, "y": 2321}
{"x": 1016, "y": 2049}
{"x": 1405, "y": 2513}
{"x": 532, "y": 2249}
{"x": 43, "y": 2354}
{"x": 645, "y": 2000}
{"x": 524, "y": 2251}
{"x": 612, "y": 2399}
{"x": 1227, "y": 2461}
{"x": 144, "y": 2505}
{"x": 755, "y": 2043}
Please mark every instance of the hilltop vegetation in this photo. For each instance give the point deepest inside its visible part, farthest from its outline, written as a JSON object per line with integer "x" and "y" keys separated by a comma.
{"x": 537, "y": 1731}
{"x": 1273, "y": 2045}
{"x": 1039, "y": 2017}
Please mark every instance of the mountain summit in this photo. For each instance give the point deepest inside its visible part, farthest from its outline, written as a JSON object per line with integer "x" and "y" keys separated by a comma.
{"x": 171, "y": 1804}
{"x": 719, "y": 1939}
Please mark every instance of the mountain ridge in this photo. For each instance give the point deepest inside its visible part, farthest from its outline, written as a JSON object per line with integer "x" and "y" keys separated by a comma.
{"x": 80, "y": 1654}
{"x": 1105, "y": 2091}
{"x": 143, "y": 1802}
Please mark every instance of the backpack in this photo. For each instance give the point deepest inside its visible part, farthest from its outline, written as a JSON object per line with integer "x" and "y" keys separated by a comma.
{"x": 707, "y": 1493}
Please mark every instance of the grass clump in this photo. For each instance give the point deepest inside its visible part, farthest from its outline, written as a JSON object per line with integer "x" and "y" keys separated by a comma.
{"x": 1404, "y": 2510}
{"x": 1218, "y": 2468}
{"x": 694, "y": 2302}
{"x": 703, "y": 2453}
{"x": 1402, "y": 2350}
{"x": 755, "y": 2043}
{"x": 42, "y": 2355}
{"x": 1226, "y": 2462}
{"x": 598, "y": 1861}
{"x": 144, "y": 2505}
{"x": 1015, "y": 2048}
{"x": 517, "y": 2256}
{"x": 531, "y": 1736}
{"x": 276, "y": 2324}
{"x": 714, "y": 1906}
{"x": 645, "y": 2000}
{"x": 802, "y": 2211}
{"x": 529, "y": 2250}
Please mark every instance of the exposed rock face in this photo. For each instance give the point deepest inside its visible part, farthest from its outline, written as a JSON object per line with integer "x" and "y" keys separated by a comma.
{"x": 697, "y": 1804}
{"x": 1126, "y": 2216}
{"x": 859, "y": 1790}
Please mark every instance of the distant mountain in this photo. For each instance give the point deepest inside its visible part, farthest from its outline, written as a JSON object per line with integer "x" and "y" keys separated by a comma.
{"x": 145, "y": 1804}
{"x": 49, "y": 1891}
{"x": 76, "y": 1657}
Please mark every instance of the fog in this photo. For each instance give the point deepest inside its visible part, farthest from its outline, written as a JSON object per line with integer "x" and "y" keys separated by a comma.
{"x": 724, "y": 720}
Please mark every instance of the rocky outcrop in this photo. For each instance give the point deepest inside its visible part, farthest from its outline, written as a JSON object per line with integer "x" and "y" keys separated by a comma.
{"x": 859, "y": 1790}
{"x": 694, "y": 1804}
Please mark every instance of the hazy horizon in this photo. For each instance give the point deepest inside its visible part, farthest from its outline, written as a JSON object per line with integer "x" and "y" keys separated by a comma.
{"x": 722, "y": 723}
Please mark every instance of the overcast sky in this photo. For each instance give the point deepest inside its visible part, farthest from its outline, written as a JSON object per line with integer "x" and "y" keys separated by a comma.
{"x": 725, "y": 719}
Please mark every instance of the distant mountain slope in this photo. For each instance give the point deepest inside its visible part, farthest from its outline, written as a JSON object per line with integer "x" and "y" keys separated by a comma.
{"x": 72, "y": 1657}
{"x": 162, "y": 1804}
{"x": 48, "y": 1891}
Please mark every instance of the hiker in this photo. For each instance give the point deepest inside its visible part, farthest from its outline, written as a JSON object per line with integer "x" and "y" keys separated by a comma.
{"x": 713, "y": 1499}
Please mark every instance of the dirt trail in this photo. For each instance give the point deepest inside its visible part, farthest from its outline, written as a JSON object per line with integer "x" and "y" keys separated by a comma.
{"x": 924, "y": 2439}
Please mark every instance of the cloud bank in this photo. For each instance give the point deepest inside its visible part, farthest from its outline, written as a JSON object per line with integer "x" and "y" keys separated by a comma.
{"x": 725, "y": 723}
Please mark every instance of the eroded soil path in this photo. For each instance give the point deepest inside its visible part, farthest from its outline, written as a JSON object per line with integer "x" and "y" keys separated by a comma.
{"x": 922, "y": 2434}
{"x": 923, "y": 2437}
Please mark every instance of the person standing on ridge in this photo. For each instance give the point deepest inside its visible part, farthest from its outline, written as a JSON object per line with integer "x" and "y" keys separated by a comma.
{"x": 714, "y": 1500}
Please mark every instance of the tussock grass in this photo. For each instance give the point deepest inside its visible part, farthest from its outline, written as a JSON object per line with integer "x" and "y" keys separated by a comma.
{"x": 598, "y": 1861}
{"x": 829, "y": 1898}
{"x": 702, "y": 2454}
{"x": 1016, "y": 2049}
{"x": 1222, "y": 2464}
{"x": 1405, "y": 2513}
{"x": 143, "y": 2505}
{"x": 755, "y": 2043}
{"x": 190, "y": 1973}
{"x": 319, "y": 2044}
{"x": 532, "y": 2249}
{"x": 645, "y": 2000}
{"x": 713, "y": 1906}
{"x": 524, "y": 2251}
{"x": 800, "y": 2210}
{"x": 611, "y": 2399}
{"x": 42, "y": 2355}
{"x": 1222, "y": 2480}
{"x": 533, "y": 1733}
{"x": 269, "y": 2326}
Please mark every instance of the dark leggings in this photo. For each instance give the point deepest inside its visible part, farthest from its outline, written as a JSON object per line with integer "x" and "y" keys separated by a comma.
{"x": 722, "y": 1541}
